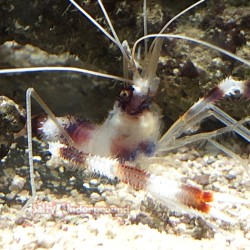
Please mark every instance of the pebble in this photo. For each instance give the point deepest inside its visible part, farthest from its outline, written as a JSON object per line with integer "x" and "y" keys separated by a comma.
{"x": 37, "y": 158}
{"x": 95, "y": 197}
{"x": 230, "y": 177}
{"x": 61, "y": 169}
{"x": 248, "y": 235}
{"x": 209, "y": 159}
{"x": 23, "y": 196}
{"x": 86, "y": 185}
{"x": 17, "y": 183}
{"x": 74, "y": 193}
{"x": 202, "y": 179}
{"x": 181, "y": 228}
{"x": 46, "y": 191}
{"x": 10, "y": 196}
{"x": 95, "y": 182}
{"x": 45, "y": 240}
{"x": 216, "y": 62}
{"x": 101, "y": 188}
{"x": 174, "y": 220}
{"x": 101, "y": 204}
{"x": 72, "y": 179}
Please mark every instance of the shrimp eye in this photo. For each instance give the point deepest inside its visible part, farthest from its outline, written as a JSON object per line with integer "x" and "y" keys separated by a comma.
{"x": 125, "y": 93}
{"x": 125, "y": 96}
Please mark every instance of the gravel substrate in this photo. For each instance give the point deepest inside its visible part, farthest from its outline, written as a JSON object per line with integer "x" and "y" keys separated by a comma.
{"x": 65, "y": 219}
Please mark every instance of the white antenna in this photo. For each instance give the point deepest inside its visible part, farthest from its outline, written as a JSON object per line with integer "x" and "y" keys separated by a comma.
{"x": 64, "y": 69}
{"x": 174, "y": 18}
{"x": 92, "y": 20}
{"x": 153, "y": 55}
{"x": 112, "y": 29}
{"x": 209, "y": 45}
{"x": 145, "y": 26}
{"x": 113, "y": 38}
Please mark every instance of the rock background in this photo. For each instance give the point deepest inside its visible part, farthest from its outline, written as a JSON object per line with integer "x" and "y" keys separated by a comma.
{"x": 187, "y": 71}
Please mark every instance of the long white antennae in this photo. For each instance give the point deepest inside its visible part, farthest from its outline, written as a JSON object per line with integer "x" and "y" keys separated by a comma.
{"x": 126, "y": 57}
{"x": 209, "y": 45}
{"x": 155, "y": 48}
{"x": 113, "y": 30}
{"x": 92, "y": 20}
{"x": 180, "y": 14}
{"x": 65, "y": 69}
{"x": 113, "y": 38}
{"x": 145, "y": 27}
{"x": 174, "y": 18}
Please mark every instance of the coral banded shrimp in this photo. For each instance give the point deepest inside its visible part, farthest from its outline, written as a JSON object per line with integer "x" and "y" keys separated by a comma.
{"x": 132, "y": 132}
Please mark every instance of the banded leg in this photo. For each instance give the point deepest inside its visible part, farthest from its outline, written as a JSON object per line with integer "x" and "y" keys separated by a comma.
{"x": 31, "y": 93}
{"x": 208, "y": 136}
{"x": 188, "y": 139}
{"x": 177, "y": 196}
{"x": 195, "y": 114}
{"x": 203, "y": 109}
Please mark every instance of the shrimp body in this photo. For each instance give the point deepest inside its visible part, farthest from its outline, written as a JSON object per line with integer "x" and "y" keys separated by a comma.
{"x": 132, "y": 128}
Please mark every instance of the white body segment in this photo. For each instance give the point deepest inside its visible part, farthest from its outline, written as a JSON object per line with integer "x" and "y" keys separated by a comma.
{"x": 118, "y": 131}
{"x": 231, "y": 87}
{"x": 129, "y": 131}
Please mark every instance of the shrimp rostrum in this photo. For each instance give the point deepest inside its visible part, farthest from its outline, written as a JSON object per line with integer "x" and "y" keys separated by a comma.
{"x": 132, "y": 133}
